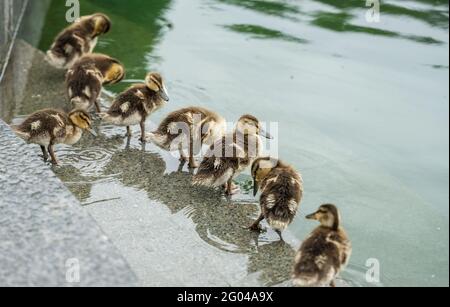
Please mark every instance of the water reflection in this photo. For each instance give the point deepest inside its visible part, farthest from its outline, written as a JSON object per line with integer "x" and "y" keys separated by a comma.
{"x": 260, "y": 32}
{"x": 276, "y": 8}
{"x": 75, "y": 180}
{"x": 138, "y": 28}
{"x": 432, "y": 16}
{"x": 341, "y": 22}
{"x": 83, "y": 163}
{"x": 217, "y": 221}
{"x": 341, "y": 18}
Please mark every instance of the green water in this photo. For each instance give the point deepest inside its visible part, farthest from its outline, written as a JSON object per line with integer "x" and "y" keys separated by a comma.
{"x": 362, "y": 107}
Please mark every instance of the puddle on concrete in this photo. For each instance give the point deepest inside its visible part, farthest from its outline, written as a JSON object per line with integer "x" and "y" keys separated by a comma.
{"x": 162, "y": 223}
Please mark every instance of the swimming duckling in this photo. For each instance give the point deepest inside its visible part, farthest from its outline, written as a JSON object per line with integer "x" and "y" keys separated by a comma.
{"x": 231, "y": 155}
{"x": 50, "y": 127}
{"x": 325, "y": 253}
{"x": 84, "y": 80}
{"x": 77, "y": 40}
{"x": 137, "y": 103}
{"x": 282, "y": 191}
{"x": 189, "y": 129}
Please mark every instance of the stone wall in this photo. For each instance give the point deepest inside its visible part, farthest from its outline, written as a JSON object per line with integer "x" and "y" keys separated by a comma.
{"x": 10, "y": 13}
{"x": 45, "y": 234}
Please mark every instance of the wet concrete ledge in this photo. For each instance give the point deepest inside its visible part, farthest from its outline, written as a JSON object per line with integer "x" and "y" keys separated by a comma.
{"x": 43, "y": 229}
{"x": 170, "y": 233}
{"x": 44, "y": 232}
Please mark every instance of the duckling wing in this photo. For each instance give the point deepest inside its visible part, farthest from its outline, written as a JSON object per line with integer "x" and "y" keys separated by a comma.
{"x": 318, "y": 261}
{"x": 176, "y": 124}
{"x": 219, "y": 165}
{"x": 215, "y": 172}
{"x": 280, "y": 199}
{"x": 83, "y": 82}
{"x": 125, "y": 106}
{"x": 43, "y": 126}
{"x": 68, "y": 46}
{"x": 173, "y": 131}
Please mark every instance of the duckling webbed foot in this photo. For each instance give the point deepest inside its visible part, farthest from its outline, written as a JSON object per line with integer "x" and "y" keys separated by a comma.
{"x": 231, "y": 189}
{"x": 193, "y": 164}
{"x": 182, "y": 164}
{"x": 256, "y": 226}
{"x": 44, "y": 153}
{"x": 280, "y": 234}
{"x": 52, "y": 155}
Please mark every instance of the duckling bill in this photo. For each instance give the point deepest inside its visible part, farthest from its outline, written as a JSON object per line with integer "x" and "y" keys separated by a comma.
{"x": 325, "y": 253}
{"x": 50, "y": 127}
{"x": 85, "y": 79}
{"x": 231, "y": 155}
{"x": 136, "y": 104}
{"x": 281, "y": 193}
{"x": 77, "y": 40}
{"x": 189, "y": 128}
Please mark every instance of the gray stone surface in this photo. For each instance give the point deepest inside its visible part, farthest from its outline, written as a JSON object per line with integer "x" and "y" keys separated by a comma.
{"x": 42, "y": 226}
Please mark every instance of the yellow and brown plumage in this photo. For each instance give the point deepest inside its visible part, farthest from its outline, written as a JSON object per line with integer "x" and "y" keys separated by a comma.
{"x": 189, "y": 129}
{"x": 85, "y": 79}
{"x": 137, "y": 103}
{"x": 231, "y": 155}
{"x": 325, "y": 253}
{"x": 50, "y": 127}
{"x": 281, "y": 193}
{"x": 78, "y": 39}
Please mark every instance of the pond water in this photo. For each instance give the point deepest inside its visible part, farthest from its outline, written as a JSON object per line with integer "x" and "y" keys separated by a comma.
{"x": 362, "y": 110}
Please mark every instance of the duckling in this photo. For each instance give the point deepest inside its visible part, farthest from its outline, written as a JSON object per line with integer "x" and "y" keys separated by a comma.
{"x": 77, "y": 40}
{"x": 84, "y": 80}
{"x": 189, "y": 129}
{"x": 231, "y": 155}
{"x": 50, "y": 127}
{"x": 137, "y": 103}
{"x": 282, "y": 192}
{"x": 325, "y": 253}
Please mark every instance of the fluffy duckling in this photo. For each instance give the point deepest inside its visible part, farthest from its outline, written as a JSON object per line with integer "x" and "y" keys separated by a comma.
{"x": 281, "y": 193}
{"x": 189, "y": 129}
{"x": 77, "y": 40}
{"x": 137, "y": 103}
{"x": 231, "y": 155}
{"x": 325, "y": 253}
{"x": 84, "y": 80}
{"x": 50, "y": 127}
